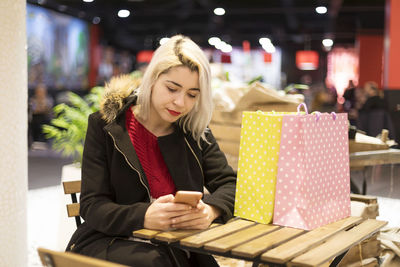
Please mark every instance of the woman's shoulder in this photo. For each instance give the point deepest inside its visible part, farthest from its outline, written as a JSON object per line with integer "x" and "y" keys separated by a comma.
{"x": 95, "y": 120}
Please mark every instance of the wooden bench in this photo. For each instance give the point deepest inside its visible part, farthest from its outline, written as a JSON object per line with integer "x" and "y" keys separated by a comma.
{"x": 271, "y": 244}
{"x": 51, "y": 258}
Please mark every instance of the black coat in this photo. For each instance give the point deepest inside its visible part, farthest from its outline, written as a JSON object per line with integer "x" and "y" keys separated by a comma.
{"x": 115, "y": 192}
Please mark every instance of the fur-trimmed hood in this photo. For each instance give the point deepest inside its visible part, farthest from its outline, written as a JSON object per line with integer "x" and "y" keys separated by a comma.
{"x": 115, "y": 92}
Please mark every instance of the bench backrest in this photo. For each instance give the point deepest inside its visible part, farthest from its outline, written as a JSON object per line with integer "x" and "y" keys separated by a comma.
{"x": 73, "y": 188}
{"x": 51, "y": 258}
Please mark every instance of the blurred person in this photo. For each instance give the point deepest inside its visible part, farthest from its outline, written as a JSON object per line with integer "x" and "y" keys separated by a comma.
{"x": 307, "y": 93}
{"x": 373, "y": 115}
{"x": 125, "y": 62}
{"x": 143, "y": 146}
{"x": 40, "y": 108}
{"x": 374, "y": 99}
{"x": 349, "y": 96}
{"x": 106, "y": 66}
{"x": 323, "y": 101}
{"x": 349, "y": 105}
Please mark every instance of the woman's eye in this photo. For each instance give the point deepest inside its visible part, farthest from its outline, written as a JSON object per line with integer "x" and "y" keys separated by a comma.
{"x": 192, "y": 96}
{"x": 171, "y": 89}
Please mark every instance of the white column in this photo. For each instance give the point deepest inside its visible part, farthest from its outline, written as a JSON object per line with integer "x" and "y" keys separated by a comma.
{"x": 13, "y": 134}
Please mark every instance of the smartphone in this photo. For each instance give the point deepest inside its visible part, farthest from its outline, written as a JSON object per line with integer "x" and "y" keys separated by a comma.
{"x": 191, "y": 198}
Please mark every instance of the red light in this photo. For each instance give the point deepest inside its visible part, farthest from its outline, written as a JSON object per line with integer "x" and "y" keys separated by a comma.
{"x": 267, "y": 57}
{"x": 226, "y": 58}
{"x": 144, "y": 56}
{"x": 307, "y": 60}
{"x": 246, "y": 46}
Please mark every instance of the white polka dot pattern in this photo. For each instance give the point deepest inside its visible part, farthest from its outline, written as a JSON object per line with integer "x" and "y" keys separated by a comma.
{"x": 313, "y": 180}
{"x": 257, "y": 166}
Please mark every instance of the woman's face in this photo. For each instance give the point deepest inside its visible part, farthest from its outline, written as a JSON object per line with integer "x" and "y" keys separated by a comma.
{"x": 174, "y": 94}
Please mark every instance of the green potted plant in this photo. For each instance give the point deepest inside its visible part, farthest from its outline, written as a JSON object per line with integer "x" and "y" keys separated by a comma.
{"x": 68, "y": 129}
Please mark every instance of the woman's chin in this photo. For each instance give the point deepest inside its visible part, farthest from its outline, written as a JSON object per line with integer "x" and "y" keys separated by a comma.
{"x": 170, "y": 118}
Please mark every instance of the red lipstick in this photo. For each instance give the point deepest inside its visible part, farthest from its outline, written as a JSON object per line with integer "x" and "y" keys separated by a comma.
{"x": 174, "y": 113}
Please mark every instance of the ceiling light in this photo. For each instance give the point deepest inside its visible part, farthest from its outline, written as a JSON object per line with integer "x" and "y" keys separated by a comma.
{"x": 123, "y": 13}
{"x": 220, "y": 45}
{"x": 227, "y": 48}
{"x": 269, "y": 48}
{"x": 88, "y": 1}
{"x": 321, "y": 10}
{"x": 264, "y": 40}
{"x": 214, "y": 40}
{"x": 96, "y": 20}
{"x": 327, "y": 42}
{"x": 219, "y": 11}
{"x": 164, "y": 40}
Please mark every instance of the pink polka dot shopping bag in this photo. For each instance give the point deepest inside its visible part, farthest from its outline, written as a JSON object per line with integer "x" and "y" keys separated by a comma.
{"x": 313, "y": 175}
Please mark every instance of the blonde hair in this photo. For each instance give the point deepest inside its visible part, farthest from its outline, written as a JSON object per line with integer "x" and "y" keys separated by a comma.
{"x": 180, "y": 51}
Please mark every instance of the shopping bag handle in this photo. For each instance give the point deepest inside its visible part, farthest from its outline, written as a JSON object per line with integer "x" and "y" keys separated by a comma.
{"x": 299, "y": 107}
{"x": 315, "y": 112}
{"x": 318, "y": 114}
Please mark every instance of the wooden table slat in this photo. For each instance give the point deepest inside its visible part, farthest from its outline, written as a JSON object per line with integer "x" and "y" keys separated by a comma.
{"x": 198, "y": 240}
{"x": 175, "y": 235}
{"x": 145, "y": 233}
{"x": 226, "y": 243}
{"x": 338, "y": 244}
{"x": 292, "y": 248}
{"x": 255, "y": 247}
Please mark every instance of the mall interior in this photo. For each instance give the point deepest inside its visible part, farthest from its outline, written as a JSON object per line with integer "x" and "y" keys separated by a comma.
{"x": 335, "y": 56}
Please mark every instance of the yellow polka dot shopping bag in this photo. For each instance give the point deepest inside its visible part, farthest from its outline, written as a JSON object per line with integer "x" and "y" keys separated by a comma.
{"x": 313, "y": 177}
{"x": 257, "y": 166}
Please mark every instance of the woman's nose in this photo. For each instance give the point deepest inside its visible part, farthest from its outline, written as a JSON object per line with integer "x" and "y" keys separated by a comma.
{"x": 179, "y": 100}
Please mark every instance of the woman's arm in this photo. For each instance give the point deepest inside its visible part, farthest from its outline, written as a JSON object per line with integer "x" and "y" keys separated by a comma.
{"x": 220, "y": 179}
{"x": 97, "y": 202}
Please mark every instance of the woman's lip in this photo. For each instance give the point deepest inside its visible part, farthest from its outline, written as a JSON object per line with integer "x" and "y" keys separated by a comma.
{"x": 174, "y": 113}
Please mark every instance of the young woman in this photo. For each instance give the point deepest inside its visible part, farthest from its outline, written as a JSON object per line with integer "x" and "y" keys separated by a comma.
{"x": 142, "y": 147}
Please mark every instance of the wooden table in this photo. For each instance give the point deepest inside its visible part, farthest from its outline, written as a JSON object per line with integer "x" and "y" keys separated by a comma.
{"x": 271, "y": 244}
{"x": 360, "y": 160}
{"x": 376, "y": 157}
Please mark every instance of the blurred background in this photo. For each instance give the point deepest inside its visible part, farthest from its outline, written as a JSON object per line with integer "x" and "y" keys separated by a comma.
{"x": 334, "y": 55}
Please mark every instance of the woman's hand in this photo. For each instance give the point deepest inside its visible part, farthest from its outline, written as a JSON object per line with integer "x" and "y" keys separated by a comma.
{"x": 198, "y": 218}
{"x": 160, "y": 214}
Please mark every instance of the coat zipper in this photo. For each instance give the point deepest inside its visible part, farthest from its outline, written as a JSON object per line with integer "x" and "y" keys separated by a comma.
{"x": 198, "y": 162}
{"x": 140, "y": 177}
